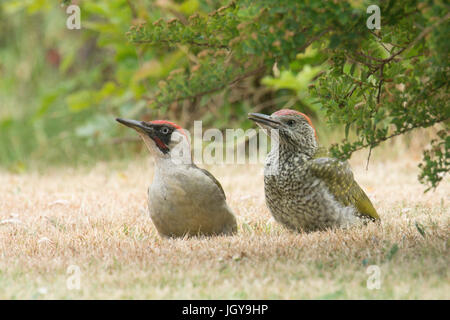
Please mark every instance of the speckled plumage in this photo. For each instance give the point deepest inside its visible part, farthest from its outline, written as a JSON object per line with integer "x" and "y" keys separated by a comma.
{"x": 305, "y": 190}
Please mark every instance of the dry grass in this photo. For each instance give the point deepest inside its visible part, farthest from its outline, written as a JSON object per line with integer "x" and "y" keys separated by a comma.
{"x": 97, "y": 220}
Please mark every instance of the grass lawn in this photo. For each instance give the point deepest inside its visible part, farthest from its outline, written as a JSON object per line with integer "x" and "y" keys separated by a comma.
{"x": 97, "y": 220}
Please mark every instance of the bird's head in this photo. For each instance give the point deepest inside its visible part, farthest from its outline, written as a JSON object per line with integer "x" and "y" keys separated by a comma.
{"x": 295, "y": 129}
{"x": 164, "y": 139}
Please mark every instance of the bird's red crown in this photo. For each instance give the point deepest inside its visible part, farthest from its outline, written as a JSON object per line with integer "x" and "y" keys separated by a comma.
{"x": 171, "y": 124}
{"x": 285, "y": 112}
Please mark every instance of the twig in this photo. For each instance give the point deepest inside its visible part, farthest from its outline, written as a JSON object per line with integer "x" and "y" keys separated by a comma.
{"x": 380, "y": 83}
{"x": 307, "y": 44}
{"x": 368, "y": 158}
{"x": 199, "y": 44}
{"x": 349, "y": 94}
{"x": 369, "y": 57}
{"x": 418, "y": 125}
{"x": 425, "y": 32}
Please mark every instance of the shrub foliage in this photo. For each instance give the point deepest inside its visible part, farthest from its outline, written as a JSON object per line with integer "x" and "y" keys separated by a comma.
{"x": 378, "y": 83}
{"x": 216, "y": 60}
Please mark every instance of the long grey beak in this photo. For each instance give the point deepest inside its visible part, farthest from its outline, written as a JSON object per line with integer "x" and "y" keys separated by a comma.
{"x": 136, "y": 125}
{"x": 264, "y": 120}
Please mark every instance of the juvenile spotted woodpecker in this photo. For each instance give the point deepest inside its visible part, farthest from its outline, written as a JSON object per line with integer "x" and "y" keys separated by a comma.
{"x": 305, "y": 189}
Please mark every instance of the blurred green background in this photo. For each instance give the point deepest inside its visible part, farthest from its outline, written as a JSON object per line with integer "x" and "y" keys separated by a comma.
{"x": 61, "y": 89}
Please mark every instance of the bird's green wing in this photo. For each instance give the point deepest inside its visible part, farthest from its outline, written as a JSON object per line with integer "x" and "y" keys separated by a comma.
{"x": 321, "y": 152}
{"x": 206, "y": 172}
{"x": 338, "y": 177}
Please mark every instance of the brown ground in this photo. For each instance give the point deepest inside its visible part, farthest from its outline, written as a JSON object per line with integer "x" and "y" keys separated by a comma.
{"x": 96, "y": 219}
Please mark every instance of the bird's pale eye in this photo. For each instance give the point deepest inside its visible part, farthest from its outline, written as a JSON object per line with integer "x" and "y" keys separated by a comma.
{"x": 164, "y": 130}
{"x": 290, "y": 122}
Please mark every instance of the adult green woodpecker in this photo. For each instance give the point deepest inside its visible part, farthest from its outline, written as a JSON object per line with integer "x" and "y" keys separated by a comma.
{"x": 305, "y": 190}
{"x": 183, "y": 199}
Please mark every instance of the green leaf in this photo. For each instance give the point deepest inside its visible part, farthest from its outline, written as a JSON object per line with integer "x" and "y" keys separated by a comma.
{"x": 80, "y": 100}
{"x": 420, "y": 228}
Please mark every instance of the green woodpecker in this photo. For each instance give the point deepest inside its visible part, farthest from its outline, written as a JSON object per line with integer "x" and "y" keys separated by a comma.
{"x": 305, "y": 190}
{"x": 183, "y": 199}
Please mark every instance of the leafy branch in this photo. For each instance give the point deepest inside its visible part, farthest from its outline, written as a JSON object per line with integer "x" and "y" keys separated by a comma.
{"x": 378, "y": 84}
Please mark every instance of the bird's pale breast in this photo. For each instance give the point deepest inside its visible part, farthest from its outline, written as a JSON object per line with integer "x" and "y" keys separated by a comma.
{"x": 299, "y": 200}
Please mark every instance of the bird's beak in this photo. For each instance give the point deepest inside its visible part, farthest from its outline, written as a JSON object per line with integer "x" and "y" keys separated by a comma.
{"x": 136, "y": 125}
{"x": 264, "y": 120}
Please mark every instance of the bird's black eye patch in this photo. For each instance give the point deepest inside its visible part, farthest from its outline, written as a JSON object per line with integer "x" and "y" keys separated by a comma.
{"x": 290, "y": 122}
{"x": 161, "y": 134}
{"x": 164, "y": 130}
